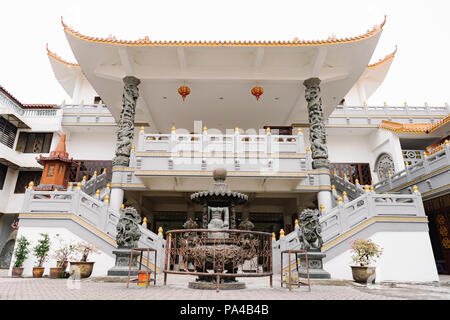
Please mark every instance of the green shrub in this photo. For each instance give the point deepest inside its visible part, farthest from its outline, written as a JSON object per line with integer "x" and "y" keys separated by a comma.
{"x": 21, "y": 251}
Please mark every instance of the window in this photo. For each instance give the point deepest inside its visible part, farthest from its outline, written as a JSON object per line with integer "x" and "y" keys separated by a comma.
{"x": 30, "y": 142}
{"x": 87, "y": 168}
{"x": 24, "y": 179}
{"x": 360, "y": 171}
{"x": 51, "y": 170}
{"x": 7, "y": 133}
{"x": 3, "y": 171}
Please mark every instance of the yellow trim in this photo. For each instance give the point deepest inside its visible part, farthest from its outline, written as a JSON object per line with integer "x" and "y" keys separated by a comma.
{"x": 421, "y": 179}
{"x": 81, "y": 222}
{"x": 370, "y": 221}
{"x": 122, "y": 169}
{"x": 72, "y": 217}
{"x": 54, "y": 56}
{"x": 313, "y": 188}
{"x": 381, "y": 61}
{"x": 296, "y": 43}
{"x": 129, "y": 185}
{"x": 88, "y": 114}
{"x": 446, "y": 187}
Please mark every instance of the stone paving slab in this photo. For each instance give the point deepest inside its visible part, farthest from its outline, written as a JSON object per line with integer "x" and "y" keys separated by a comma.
{"x": 176, "y": 289}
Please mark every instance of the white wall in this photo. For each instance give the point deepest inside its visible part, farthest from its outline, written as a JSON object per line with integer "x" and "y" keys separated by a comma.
{"x": 103, "y": 262}
{"x": 7, "y": 193}
{"x": 407, "y": 256}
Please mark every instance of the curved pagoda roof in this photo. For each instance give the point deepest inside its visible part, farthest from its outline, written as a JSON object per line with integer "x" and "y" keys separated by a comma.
{"x": 220, "y": 75}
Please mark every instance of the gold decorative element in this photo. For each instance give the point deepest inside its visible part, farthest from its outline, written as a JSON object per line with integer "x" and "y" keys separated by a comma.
{"x": 366, "y": 188}
{"x": 308, "y": 149}
{"x": 205, "y": 129}
{"x": 106, "y": 198}
{"x": 339, "y": 200}
{"x": 108, "y": 186}
{"x": 97, "y": 193}
{"x": 281, "y": 233}
{"x": 344, "y": 194}
{"x": 173, "y": 128}
{"x": 299, "y": 130}
{"x": 95, "y": 173}
{"x": 322, "y": 208}
{"x": 299, "y": 43}
{"x": 405, "y": 104}
{"x": 334, "y": 172}
{"x": 144, "y": 222}
{"x": 133, "y": 148}
{"x": 372, "y": 189}
{"x": 31, "y": 185}
{"x": 333, "y": 187}
{"x": 84, "y": 178}
{"x": 104, "y": 171}
{"x": 236, "y": 129}
{"x": 345, "y": 175}
{"x": 71, "y": 185}
{"x": 274, "y": 237}
{"x": 415, "y": 188}
{"x": 268, "y": 129}
{"x": 356, "y": 181}
{"x": 79, "y": 185}
{"x": 160, "y": 231}
{"x": 389, "y": 172}
{"x": 142, "y": 128}
{"x": 296, "y": 223}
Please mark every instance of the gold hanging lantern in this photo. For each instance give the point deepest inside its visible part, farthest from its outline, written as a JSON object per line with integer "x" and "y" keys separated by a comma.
{"x": 184, "y": 91}
{"x": 257, "y": 92}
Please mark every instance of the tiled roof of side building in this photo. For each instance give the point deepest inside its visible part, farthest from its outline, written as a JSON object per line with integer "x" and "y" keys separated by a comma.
{"x": 415, "y": 127}
{"x": 26, "y": 105}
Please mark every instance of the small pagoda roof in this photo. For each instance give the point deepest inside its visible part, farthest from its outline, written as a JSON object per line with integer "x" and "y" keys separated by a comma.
{"x": 420, "y": 128}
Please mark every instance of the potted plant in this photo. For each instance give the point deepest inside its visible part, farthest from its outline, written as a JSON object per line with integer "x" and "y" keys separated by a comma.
{"x": 62, "y": 256}
{"x": 364, "y": 252}
{"x": 41, "y": 252}
{"x": 21, "y": 254}
{"x": 83, "y": 267}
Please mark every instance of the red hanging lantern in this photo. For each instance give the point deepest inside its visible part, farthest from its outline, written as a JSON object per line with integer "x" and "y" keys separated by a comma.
{"x": 184, "y": 91}
{"x": 257, "y": 92}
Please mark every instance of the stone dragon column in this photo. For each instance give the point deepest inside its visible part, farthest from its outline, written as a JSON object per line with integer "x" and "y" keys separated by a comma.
{"x": 125, "y": 134}
{"x": 317, "y": 138}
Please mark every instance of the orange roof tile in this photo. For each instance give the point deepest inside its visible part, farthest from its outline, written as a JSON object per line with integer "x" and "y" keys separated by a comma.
{"x": 296, "y": 43}
{"x": 385, "y": 59}
{"x": 415, "y": 127}
{"x": 59, "y": 59}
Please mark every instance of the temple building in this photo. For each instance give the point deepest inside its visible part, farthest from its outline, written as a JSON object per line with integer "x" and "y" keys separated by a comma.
{"x": 149, "y": 121}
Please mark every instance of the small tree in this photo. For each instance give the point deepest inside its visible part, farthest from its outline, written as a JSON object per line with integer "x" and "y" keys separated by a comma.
{"x": 21, "y": 251}
{"x": 63, "y": 253}
{"x": 365, "y": 251}
{"x": 41, "y": 249}
{"x": 85, "y": 249}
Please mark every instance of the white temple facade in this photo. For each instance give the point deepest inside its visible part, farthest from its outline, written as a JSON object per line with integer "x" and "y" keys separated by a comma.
{"x": 373, "y": 171}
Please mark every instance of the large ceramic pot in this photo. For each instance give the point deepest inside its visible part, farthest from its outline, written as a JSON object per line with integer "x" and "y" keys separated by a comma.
{"x": 84, "y": 269}
{"x": 16, "y": 272}
{"x": 363, "y": 274}
{"x": 56, "y": 272}
{"x": 38, "y": 272}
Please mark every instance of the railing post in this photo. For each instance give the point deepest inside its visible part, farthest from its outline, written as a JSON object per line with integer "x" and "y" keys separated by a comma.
{"x": 300, "y": 141}
{"x": 268, "y": 141}
{"x": 141, "y": 139}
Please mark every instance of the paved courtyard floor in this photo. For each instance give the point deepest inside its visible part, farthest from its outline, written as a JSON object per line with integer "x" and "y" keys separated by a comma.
{"x": 176, "y": 289}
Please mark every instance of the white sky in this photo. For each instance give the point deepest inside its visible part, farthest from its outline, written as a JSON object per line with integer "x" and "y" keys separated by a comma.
{"x": 420, "y": 29}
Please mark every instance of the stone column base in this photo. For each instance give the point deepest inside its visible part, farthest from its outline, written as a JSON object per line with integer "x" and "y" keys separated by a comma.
{"x": 123, "y": 263}
{"x": 316, "y": 270}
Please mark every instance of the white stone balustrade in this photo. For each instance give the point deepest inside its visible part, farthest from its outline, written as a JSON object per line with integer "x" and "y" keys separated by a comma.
{"x": 432, "y": 163}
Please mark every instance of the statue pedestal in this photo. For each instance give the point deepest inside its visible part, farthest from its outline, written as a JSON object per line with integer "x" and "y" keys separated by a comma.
{"x": 123, "y": 263}
{"x": 316, "y": 270}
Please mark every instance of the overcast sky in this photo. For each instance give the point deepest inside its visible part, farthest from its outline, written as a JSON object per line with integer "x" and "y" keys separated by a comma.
{"x": 420, "y": 71}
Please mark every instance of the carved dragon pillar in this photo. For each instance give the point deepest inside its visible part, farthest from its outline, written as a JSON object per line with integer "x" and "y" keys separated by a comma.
{"x": 125, "y": 134}
{"x": 317, "y": 138}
